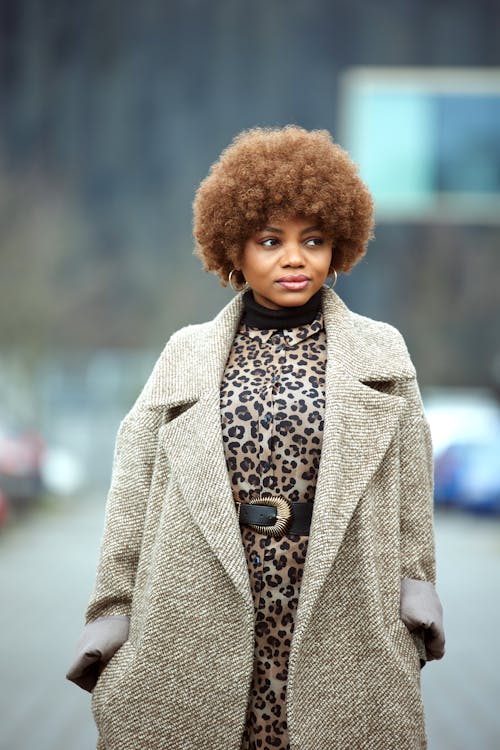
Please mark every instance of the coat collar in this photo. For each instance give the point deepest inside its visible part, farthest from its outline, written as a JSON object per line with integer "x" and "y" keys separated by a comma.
{"x": 360, "y": 421}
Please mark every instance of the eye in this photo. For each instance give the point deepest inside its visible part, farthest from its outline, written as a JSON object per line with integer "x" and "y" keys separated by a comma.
{"x": 315, "y": 241}
{"x": 269, "y": 242}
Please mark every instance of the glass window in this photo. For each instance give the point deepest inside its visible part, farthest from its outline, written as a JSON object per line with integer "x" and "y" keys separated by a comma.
{"x": 427, "y": 141}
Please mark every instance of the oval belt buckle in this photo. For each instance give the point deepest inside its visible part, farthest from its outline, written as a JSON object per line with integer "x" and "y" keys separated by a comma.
{"x": 284, "y": 515}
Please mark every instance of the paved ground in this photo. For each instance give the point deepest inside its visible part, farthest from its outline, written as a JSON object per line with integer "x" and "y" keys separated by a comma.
{"x": 47, "y": 565}
{"x": 462, "y": 692}
{"x": 46, "y": 571}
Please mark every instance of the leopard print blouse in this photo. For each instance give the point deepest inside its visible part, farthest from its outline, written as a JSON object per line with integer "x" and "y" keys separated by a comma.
{"x": 272, "y": 411}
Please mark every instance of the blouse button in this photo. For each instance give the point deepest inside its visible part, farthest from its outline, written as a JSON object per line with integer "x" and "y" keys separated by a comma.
{"x": 267, "y": 419}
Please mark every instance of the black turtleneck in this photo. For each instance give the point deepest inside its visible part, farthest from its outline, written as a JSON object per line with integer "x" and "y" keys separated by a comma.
{"x": 258, "y": 316}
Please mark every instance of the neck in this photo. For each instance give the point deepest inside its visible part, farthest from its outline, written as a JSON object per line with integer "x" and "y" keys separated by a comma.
{"x": 258, "y": 316}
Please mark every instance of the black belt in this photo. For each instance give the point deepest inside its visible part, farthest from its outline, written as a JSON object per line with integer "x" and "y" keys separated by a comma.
{"x": 273, "y": 515}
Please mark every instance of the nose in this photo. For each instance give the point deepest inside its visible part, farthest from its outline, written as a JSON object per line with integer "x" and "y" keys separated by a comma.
{"x": 292, "y": 255}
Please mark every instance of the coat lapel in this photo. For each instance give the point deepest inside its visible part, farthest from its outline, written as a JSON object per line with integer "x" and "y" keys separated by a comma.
{"x": 360, "y": 422}
{"x": 193, "y": 443}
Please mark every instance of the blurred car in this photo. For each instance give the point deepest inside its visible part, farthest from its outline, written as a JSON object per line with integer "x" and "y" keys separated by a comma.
{"x": 465, "y": 428}
{"x": 21, "y": 453}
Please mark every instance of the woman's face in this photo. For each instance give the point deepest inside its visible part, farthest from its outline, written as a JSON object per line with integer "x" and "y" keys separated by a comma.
{"x": 286, "y": 262}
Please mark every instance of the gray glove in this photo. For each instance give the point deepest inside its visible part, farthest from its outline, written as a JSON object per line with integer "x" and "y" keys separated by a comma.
{"x": 420, "y": 609}
{"x": 99, "y": 641}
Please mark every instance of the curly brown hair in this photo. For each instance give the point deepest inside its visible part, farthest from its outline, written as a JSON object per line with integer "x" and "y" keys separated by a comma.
{"x": 271, "y": 172}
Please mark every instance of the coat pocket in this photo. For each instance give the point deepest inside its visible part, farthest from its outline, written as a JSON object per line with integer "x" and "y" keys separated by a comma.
{"x": 419, "y": 641}
{"x": 403, "y": 645}
{"x": 111, "y": 680}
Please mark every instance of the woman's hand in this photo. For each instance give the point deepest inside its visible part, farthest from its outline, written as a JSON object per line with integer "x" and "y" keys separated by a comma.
{"x": 99, "y": 641}
{"x": 420, "y": 607}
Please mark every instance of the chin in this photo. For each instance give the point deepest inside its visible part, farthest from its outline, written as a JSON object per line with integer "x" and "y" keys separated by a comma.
{"x": 284, "y": 297}
{"x": 298, "y": 297}
{"x": 292, "y": 299}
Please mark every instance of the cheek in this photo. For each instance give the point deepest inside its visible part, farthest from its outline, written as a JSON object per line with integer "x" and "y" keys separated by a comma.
{"x": 255, "y": 264}
{"x": 322, "y": 261}
{"x": 327, "y": 261}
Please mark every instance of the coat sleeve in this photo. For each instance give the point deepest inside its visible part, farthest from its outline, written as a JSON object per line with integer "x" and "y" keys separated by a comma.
{"x": 420, "y": 607}
{"x": 417, "y": 491}
{"x": 134, "y": 457}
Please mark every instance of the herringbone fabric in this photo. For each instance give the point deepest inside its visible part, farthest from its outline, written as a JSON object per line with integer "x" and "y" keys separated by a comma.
{"x": 172, "y": 555}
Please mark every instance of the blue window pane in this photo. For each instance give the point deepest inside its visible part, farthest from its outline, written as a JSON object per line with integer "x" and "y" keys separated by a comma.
{"x": 467, "y": 143}
{"x": 427, "y": 143}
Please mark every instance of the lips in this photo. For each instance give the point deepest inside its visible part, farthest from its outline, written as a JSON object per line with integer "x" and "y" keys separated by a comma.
{"x": 294, "y": 283}
{"x": 300, "y": 277}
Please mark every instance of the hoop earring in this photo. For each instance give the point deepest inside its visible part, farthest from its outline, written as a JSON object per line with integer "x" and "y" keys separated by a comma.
{"x": 330, "y": 286}
{"x": 235, "y": 288}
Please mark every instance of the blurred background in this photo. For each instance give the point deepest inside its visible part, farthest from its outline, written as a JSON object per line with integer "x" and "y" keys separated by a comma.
{"x": 110, "y": 115}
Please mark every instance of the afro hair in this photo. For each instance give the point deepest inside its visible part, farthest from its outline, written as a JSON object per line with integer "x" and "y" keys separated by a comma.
{"x": 271, "y": 172}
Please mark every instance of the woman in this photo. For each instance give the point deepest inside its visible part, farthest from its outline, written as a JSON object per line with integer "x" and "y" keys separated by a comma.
{"x": 280, "y": 449}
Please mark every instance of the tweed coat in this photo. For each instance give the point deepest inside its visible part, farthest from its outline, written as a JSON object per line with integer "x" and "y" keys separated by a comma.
{"x": 172, "y": 556}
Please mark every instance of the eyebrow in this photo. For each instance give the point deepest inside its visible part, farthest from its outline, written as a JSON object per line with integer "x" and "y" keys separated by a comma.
{"x": 280, "y": 231}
